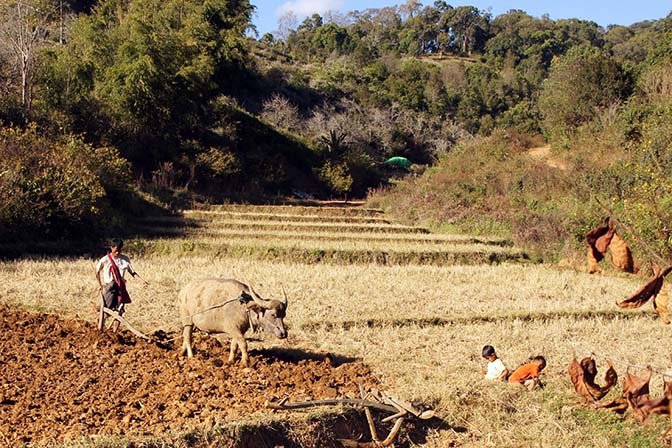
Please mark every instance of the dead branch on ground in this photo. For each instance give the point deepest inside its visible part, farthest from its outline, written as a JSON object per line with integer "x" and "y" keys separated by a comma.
{"x": 374, "y": 399}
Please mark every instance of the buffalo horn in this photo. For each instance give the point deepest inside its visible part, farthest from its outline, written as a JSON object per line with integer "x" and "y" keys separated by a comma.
{"x": 284, "y": 295}
{"x": 258, "y": 300}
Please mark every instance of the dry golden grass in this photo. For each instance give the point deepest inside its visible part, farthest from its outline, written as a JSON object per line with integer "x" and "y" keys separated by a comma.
{"x": 421, "y": 328}
{"x": 393, "y": 294}
{"x": 323, "y": 210}
{"x": 253, "y": 216}
{"x": 312, "y": 226}
{"x": 396, "y": 238}
{"x": 368, "y": 244}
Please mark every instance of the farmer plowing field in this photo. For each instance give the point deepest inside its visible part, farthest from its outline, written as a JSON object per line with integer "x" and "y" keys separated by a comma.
{"x": 113, "y": 284}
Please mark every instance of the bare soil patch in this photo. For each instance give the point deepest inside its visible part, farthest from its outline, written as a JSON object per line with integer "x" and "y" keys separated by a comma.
{"x": 544, "y": 153}
{"x": 62, "y": 379}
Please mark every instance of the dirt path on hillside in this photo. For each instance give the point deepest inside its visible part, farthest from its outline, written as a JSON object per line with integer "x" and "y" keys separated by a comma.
{"x": 62, "y": 379}
{"x": 544, "y": 153}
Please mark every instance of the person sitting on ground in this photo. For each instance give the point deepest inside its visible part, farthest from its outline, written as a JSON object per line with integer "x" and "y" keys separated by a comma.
{"x": 496, "y": 368}
{"x": 528, "y": 374}
{"x": 112, "y": 285}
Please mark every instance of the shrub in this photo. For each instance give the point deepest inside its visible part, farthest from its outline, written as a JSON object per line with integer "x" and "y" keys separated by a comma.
{"x": 336, "y": 176}
{"x": 54, "y": 187}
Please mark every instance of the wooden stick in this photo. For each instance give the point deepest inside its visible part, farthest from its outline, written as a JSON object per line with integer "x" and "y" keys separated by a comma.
{"x": 120, "y": 319}
{"x": 101, "y": 315}
{"x": 393, "y": 433}
{"x": 373, "y": 444}
{"x": 392, "y": 417}
{"x": 369, "y": 417}
{"x": 405, "y": 405}
{"x": 351, "y": 401}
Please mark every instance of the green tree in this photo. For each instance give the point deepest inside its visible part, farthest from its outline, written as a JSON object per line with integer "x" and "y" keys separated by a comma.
{"x": 420, "y": 32}
{"x": 337, "y": 177}
{"x": 151, "y": 66}
{"x": 483, "y": 99}
{"x": 334, "y": 142}
{"x": 468, "y": 28}
{"x": 378, "y": 28}
{"x": 580, "y": 83}
{"x": 330, "y": 38}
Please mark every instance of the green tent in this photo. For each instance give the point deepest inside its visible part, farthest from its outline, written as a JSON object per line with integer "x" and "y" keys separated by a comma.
{"x": 399, "y": 161}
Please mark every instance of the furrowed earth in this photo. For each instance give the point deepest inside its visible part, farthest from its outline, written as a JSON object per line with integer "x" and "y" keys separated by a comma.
{"x": 62, "y": 380}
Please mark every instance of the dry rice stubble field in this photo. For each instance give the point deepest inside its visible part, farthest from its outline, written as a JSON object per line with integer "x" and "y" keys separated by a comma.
{"x": 421, "y": 328}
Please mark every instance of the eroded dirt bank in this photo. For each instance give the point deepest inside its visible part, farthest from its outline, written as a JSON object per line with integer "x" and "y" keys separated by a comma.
{"x": 62, "y": 378}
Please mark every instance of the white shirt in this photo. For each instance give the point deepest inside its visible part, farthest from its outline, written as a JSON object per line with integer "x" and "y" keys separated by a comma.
{"x": 495, "y": 369}
{"x": 122, "y": 262}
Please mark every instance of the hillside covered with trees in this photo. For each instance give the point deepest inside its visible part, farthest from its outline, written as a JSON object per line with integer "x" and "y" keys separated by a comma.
{"x": 114, "y": 108}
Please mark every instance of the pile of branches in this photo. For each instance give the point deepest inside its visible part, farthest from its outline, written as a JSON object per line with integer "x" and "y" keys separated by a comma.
{"x": 374, "y": 399}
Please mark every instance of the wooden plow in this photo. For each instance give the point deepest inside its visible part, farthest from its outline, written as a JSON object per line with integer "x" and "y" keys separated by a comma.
{"x": 397, "y": 408}
{"x": 105, "y": 312}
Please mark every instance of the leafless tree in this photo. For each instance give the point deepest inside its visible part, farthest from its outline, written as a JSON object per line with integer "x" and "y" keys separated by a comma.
{"x": 286, "y": 22}
{"x": 410, "y": 8}
{"x": 280, "y": 112}
{"x": 24, "y": 28}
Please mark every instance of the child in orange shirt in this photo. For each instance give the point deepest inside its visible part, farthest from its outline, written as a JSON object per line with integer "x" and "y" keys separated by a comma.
{"x": 528, "y": 374}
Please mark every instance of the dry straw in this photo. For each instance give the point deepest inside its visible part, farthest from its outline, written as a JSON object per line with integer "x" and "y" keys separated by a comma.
{"x": 420, "y": 327}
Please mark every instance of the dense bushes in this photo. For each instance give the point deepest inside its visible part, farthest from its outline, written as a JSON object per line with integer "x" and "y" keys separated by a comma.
{"x": 56, "y": 186}
{"x": 579, "y": 85}
{"x": 614, "y": 161}
{"x": 608, "y": 119}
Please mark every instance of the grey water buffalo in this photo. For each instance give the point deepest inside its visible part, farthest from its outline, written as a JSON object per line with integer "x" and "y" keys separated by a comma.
{"x": 227, "y": 307}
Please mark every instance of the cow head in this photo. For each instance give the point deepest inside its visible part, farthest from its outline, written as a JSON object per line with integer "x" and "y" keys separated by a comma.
{"x": 268, "y": 314}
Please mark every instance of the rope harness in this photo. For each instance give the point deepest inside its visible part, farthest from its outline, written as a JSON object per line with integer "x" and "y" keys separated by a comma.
{"x": 243, "y": 298}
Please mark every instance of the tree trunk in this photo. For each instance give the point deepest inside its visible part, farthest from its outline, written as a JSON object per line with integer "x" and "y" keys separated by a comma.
{"x": 24, "y": 89}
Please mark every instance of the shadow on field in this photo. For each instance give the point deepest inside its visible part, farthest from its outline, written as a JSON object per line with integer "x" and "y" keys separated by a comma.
{"x": 295, "y": 356}
{"x": 443, "y": 321}
{"x": 206, "y": 346}
{"x": 320, "y": 430}
{"x": 93, "y": 246}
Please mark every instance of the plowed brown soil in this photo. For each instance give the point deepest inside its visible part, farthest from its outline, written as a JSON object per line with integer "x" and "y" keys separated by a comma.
{"x": 61, "y": 379}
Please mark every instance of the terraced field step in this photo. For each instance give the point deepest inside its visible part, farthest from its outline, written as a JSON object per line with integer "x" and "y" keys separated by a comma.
{"x": 321, "y": 210}
{"x": 353, "y": 244}
{"x": 215, "y": 215}
{"x": 542, "y": 316}
{"x": 228, "y": 234}
{"x": 244, "y": 225}
{"x": 315, "y": 256}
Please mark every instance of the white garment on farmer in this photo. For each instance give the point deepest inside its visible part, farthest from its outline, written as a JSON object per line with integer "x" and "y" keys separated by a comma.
{"x": 122, "y": 262}
{"x": 495, "y": 369}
